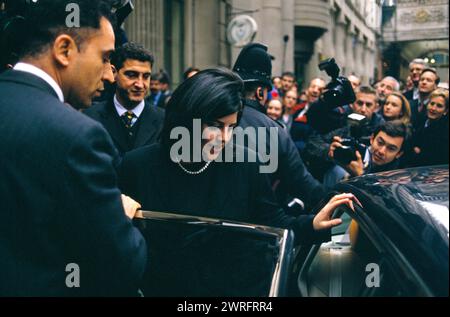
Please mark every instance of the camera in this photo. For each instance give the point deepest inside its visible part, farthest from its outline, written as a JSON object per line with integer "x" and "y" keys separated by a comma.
{"x": 339, "y": 92}
{"x": 359, "y": 127}
{"x": 122, "y": 9}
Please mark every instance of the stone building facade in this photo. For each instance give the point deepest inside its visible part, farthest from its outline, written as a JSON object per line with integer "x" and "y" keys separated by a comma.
{"x": 184, "y": 33}
{"x": 416, "y": 29}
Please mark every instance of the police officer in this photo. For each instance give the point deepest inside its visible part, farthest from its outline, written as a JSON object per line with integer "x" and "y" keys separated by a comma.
{"x": 254, "y": 65}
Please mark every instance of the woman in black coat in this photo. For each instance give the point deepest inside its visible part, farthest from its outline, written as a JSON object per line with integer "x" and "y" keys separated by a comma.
{"x": 431, "y": 139}
{"x": 196, "y": 170}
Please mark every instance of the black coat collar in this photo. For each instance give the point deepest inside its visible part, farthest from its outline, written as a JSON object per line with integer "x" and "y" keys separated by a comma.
{"x": 255, "y": 105}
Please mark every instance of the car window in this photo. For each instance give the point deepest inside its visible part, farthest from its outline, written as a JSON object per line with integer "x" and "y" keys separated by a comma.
{"x": 348, "y": 266}
{"x": 192, "y": 258}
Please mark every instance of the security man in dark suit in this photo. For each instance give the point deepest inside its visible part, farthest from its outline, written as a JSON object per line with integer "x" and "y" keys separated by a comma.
{"x": 64, "y": 229}
{"x": 254, "y": 65}
{"x": 130, "y": 120}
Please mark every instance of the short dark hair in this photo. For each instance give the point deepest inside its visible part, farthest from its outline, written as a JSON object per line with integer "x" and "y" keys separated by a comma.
{"x": 367, "y": 90}
{"x": 209, "y": 95}
{"x": 288, "y": 74}
{"x": 45, "y": 20}
{"x": 164, "y": 77}
{"x": 250, "y": 89}
{"x": 396, "y": 129}
{"x": 131, "y": 51}
{"x": 434, "y": 71}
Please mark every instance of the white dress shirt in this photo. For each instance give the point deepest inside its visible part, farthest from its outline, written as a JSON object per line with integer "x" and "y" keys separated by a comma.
{"x": 121, "y": 110}
{"x": 28, "y": 68}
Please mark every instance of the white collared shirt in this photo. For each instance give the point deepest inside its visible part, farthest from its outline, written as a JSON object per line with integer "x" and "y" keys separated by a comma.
{"x": 416, "y": 94}
{"x": 367, "y": 157}
{"x": 28, "y": 68}
{"x": 121, "y": 110}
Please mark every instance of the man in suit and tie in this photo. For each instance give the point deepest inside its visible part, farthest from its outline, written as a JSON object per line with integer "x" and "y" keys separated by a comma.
{"x": 429, "y": 81}
{"x": 416, "y": 68}
{"x": 64, "y": 229}
{"x": 130, "y": 120}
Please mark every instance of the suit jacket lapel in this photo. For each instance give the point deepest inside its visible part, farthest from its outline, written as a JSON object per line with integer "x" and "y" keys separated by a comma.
{"x": 147, "y": 127}
{"x": 114, "y": 125}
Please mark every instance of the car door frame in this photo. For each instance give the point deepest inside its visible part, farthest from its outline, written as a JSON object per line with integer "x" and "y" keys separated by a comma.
{"x": 284, "y": 238}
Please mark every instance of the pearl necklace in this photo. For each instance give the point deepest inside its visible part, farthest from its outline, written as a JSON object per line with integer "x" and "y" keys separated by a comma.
{"x": 194, "y": 172}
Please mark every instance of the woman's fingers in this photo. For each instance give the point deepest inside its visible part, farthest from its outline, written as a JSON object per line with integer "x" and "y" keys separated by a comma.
{"x": 350, "y": 204}
{"x": 341, "y": 196}
{"x": 323, "y": 221}
{"x": 333, "y": 205}
{"x": 330, "y": 223}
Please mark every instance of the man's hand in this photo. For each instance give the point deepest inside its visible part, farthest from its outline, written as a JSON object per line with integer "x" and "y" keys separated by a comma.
{"x": 356, "y": 168}
{"x": 323, "y": 219}
{"x": 130, "y": 206}
{"x": 337, "y": 142}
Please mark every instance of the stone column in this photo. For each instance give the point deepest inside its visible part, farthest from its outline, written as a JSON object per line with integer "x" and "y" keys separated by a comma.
{"x": 189, "y": 33}
{"x": 350, "y": 52}
{"x": 145, "y": 25}
{"x": 359, "y": 58}
{"x": 252, "y": 8}
{"x": 288, "y": 20}
{"x": 370, "y": 61}
{"x": 328, "y": 48}
{"x": 206, "y": 28}
{"x": 272, "y": 31}
{"x": 340, "y": 42}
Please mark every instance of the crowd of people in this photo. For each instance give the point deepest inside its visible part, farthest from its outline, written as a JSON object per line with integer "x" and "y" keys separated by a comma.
{"x": 421, "y": 111}
{"x": 88, "y": 134}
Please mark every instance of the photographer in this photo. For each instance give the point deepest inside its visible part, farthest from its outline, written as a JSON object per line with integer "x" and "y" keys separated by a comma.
{"x": 361, "y": 128}
{"x": 329, "y": 112}
{"x": 387, "y": 145}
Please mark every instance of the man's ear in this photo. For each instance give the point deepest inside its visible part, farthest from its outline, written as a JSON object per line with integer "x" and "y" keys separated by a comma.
{"x": 399, "y": 155}
{"x": 64, "y": 49}
{"x": 260, "y": 93}
{"x": 372, "y": 139}
{"x": 114, "y": 71}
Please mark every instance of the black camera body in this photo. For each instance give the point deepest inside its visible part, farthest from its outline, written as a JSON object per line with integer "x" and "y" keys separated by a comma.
{"x": 123, "y": 9}
{"x": 359, "y": 128}
{"x": 347, "y": 153}
{"x": 339, "y": 92}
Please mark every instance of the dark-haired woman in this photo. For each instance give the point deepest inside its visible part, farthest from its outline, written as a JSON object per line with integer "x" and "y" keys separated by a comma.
{"x": 186, "y": 176}
{"x": 169, "y": 177}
